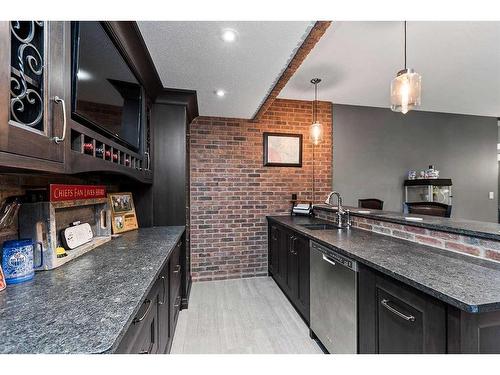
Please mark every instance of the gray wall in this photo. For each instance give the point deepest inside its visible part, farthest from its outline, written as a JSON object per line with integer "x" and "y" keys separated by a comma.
{"x": 373, "y": 149}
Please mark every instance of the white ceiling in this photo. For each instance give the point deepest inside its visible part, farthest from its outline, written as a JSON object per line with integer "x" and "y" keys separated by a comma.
{"x": 192, "y": 55}
{"x": 459, "y": 63}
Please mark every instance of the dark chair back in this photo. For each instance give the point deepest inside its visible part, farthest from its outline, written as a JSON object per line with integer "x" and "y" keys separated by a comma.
{"x": 429, "y": 208}
{"x": 373, "y": 203}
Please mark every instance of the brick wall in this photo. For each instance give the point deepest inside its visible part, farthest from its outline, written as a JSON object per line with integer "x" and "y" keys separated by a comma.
{"x": 232, "y": 192}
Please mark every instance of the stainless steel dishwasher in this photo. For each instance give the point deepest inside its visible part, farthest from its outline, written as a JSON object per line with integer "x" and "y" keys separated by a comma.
{"x": 334, "y": 314}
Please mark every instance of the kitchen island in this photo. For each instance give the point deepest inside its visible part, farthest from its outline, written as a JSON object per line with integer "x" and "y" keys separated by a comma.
{"x": 451, "y": 301}
{"x": 456, "y": 279}
{"x": 86, "y": 305}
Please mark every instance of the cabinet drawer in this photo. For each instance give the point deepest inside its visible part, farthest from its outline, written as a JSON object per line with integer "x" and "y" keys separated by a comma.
{"x": 141, "y": 337}
{"x": 164, "y": 334}
{"x": 396, "y": 318}
{"x": 175, "y": 272}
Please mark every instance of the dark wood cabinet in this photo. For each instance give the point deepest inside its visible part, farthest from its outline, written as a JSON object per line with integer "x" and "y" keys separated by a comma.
{"x": 142, "y": 337}
{"x": 171, "y": 116}
{"x": 395, "y": 318}
{"x": 38, "y": 131}
{"x": 289, "y": 266}
{"x": 175, "y": 283}
{"x": 302, "y": 251}
{"x": 34, "y": 66}
{"x": 473, "y": 333}
{"x": 274, "y": 243}
{"x": 152, "y": 329}
{"x": 283, "y": 251}
{"x": 164, "y": 330}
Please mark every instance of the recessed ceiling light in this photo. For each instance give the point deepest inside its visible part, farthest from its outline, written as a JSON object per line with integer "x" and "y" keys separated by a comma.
{"x": 228, "y": 35}
{"x": 220, "y": 93}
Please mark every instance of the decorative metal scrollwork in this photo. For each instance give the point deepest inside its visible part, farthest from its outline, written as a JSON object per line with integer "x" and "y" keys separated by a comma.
{"x": 27, "y": 66}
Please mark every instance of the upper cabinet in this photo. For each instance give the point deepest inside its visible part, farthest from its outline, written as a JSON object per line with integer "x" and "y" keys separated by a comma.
{"x": 33, "y": 113}
{"x": 80, "y": 98}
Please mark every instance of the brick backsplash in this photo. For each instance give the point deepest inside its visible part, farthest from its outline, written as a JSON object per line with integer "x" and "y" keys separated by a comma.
{"x": 232, "y": 192}
{"x": 486, "y": 249}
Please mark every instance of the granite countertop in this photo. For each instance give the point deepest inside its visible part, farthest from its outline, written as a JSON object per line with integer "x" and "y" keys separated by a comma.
{"x": 468, "y": 283}
{"x": 473, "y": 228}
{"x": 86, "y": 305}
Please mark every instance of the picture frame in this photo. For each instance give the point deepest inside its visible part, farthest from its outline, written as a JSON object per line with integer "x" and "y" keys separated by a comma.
{"x": 282, "y": 149}
{"x": 123, "y": 217}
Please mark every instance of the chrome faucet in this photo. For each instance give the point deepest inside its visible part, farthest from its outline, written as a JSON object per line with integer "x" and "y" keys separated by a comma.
{"x": 343, "y": 216}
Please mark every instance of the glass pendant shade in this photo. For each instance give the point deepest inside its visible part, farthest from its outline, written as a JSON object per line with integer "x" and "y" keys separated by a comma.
{"x": 316, "y": 133}
{"x": 406, "y": 91}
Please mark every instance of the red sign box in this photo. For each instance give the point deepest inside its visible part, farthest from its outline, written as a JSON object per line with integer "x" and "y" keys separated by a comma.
{"x": 59, "y": 192}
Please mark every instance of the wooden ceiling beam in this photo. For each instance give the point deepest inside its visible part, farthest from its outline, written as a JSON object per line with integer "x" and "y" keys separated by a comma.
{"x": 310, "y": 41}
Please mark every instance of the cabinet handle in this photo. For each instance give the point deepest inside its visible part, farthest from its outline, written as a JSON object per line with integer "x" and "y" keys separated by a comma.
{"x": 148, "y": 160}
{"x": 58, "y": 100}
{"x": 177, "y": 268}
{"x": 385, "y": 303}
{"x": 292, "y": 245}
{"x": 138, "y": 320}
{"x": 177, "y": 302}
{"x": 163, "y": 281}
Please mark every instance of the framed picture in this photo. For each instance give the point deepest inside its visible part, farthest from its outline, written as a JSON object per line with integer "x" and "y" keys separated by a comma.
{"x": 282, "y": 150}
{"x": 123, "y": 216}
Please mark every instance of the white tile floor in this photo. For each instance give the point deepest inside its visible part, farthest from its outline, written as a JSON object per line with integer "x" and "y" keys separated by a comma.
{"x": 241, "y": 316}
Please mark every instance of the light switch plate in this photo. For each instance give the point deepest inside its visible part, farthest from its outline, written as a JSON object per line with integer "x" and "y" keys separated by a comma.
{"x": 491, "y": 195}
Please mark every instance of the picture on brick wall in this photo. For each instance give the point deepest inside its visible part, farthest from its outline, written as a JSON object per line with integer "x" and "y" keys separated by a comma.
{"x": 282, "y": 150}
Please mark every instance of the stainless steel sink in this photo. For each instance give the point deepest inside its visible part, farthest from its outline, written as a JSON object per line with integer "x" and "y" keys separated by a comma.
{"x": 320, "y": 226}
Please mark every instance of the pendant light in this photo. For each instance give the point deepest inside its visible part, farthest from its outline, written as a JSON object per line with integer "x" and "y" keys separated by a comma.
{"x": 316, "y": 131}
{"x": 405, "y": 88}
{"x": 316, "y": 128}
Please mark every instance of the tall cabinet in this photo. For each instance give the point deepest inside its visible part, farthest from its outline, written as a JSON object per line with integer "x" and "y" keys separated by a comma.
{"x": 171, "y": 116}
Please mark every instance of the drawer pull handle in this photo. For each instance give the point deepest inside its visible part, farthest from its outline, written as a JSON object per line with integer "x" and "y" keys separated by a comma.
{"x": 385, "y": 303}
{"x": 292, "y": 245}
{"x": 163, "y": 281}
{"x": 148, "y": 160}
{"x": 138, "y": 320}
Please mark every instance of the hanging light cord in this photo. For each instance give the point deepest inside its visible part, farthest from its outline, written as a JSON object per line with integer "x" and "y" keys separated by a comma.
{"x": 315, "y": 108}
{"x": 315, "y": 104}
{"x": 405, "y": 45}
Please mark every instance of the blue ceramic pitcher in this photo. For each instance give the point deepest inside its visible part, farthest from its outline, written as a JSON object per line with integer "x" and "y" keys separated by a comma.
{"x": 17, "y": 260}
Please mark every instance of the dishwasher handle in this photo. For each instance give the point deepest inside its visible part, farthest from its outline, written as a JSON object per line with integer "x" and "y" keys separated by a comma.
{"x": 334, "y": 258}
{"x": 326, "y": 259}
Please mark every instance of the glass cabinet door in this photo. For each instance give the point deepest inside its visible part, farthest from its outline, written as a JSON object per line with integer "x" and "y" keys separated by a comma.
{"x": 428, "y": 193}
{"x": 34, "y": 68}
{"x": 418, "y": 194}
